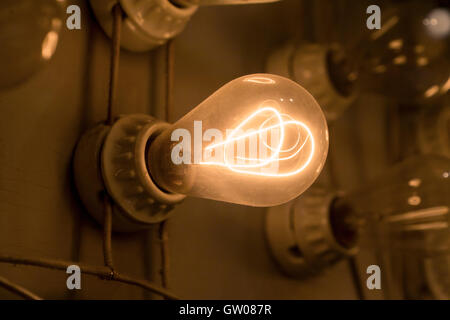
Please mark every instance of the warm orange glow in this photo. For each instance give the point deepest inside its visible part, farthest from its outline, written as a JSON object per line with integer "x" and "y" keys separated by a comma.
{"x": 49, "y": 45}
{"x": 277, "y": 152}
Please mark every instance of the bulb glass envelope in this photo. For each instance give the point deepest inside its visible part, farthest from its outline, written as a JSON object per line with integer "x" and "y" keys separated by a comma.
{"x": 29, "y": 37}
{"x": 407, "y": 59}
{"x": 260, "y": 140}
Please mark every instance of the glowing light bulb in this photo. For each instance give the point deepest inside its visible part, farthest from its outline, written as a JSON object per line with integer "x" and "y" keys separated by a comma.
{"x": 29, "y": 36}
{"x": 260, "y": 140}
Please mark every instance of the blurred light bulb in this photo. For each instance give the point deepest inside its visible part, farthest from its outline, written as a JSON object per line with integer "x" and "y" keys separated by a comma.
{"x": 407, "y": 59}
{"x": 412, "y": 196}
{"x": 29, "y": 36}
{"x": 438, "y": 23}
{"x": 437, "y": 266}
{"x": 407, "y": 209}
{"x": 433, "y": 129}
{"x": 260, "y": 140}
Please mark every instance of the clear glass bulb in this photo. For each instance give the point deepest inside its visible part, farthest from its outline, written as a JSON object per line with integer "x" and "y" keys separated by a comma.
{"x": 407, "y": 212}
{"x": 260, "y": 140}
{"x": 29, "y": 33}
{"x": 418, "y": 183}
{"x": 407, "y": 59}
{"x": 433, "y": 128}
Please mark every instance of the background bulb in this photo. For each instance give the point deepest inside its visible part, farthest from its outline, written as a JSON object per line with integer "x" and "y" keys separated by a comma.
{"x": 407, "y": 59}
{"x": 407, "y": 212}
{"x": 29, "y": 37}
{"x": 260, "y": 140}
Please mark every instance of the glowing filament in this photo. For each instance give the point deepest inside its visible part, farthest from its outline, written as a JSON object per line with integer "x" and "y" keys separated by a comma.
{"x": 292, "y": 158}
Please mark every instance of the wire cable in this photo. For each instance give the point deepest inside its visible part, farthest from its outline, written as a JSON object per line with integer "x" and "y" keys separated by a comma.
{"x": 100, "y": 271}
{"x": 107, "y": 232}
{"x": 114, "y": 65}
{"x": 19, "y": 290}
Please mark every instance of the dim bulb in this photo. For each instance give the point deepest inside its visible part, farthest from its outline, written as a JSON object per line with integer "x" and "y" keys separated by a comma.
{"x": 407, "y": 59}
{"x": 260, "y": 140}
{"x": 433, "y": 128}
{"x": 29, "y": 36}
{"x": 407, "y": 213}
{"x": 411, "y": 197}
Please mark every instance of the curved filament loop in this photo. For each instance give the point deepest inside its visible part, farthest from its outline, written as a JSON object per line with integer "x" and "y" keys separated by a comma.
{"x": 276, "y": 121}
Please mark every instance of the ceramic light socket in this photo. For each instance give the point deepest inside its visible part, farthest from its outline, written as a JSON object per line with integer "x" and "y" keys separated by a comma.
{"x": 300, "y": 235}
{"x": 307, "y": 64}
{"x": 113, "y": 160}
{"x": 147, "y": 23}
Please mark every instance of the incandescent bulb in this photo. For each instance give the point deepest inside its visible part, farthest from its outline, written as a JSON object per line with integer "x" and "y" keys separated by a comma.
{"x": 433, "y": 129}
{"x": 411, "y": 198}
{"x": 29, "y": 37}
{"x": 407, "y": 59}
{"x": 260, "y": 140}
{"x": 407, "y": 210}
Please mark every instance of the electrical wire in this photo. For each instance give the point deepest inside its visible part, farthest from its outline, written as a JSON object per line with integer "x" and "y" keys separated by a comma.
{"x": 164, "y": 251}
{"x": 170, "y": 53}
{"x": 100, "y": 271}
{"x": 114, "y": 65}
{"x": 163, "y": 226}
{"x": 19, "y": 290}
{"x": 353, "y": 264}
{"x": 107, "y": 232}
